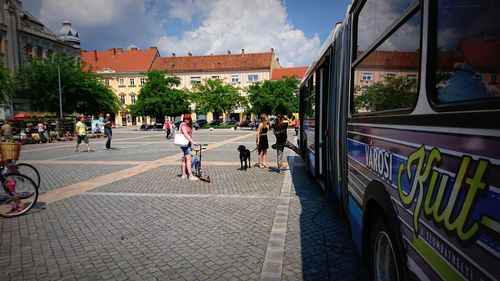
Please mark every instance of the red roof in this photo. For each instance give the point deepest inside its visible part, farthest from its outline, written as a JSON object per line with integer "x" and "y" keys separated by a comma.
{"x": 297, "y": 72}
{"x": 120, "y": 60}
{"x": 242, "y": 61}
{"x": 484, "y": 55}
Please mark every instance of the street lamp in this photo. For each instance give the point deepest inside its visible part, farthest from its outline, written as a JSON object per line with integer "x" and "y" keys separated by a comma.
{"x": 60, "y": 92}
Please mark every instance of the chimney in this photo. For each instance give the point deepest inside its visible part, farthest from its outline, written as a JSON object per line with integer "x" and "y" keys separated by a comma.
{"x": 242, "y": 51}
{"x": 173, "y": 54}
{"x": 133, "y": 49}
{"x": 119, "y": 50}
{"x": 189, "y": 54}
{"x": 228, "y": 52}
{"x": 112, "y": 50}
{"x": 272, "y": 50}
{"x": 95, "y": 55}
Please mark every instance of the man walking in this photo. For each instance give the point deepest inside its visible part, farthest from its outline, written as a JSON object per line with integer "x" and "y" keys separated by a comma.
{"x": 81, "y": 134}
{"x": 107, "y": 130}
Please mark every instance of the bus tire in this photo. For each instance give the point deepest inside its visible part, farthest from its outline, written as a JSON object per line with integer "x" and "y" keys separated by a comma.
{"x": 385, "y": 260}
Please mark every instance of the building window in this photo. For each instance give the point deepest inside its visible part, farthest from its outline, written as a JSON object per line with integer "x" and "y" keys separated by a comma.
{"x": 411, "y": 78}
{"x": 122, "y": 98}
{"x": 132, "y": 98}
{"x": 106, "y": 81}
{"x": 367, "y": 76}
{"x": 215, "y": 76}
{"x": 391, "y": 75}
{"x": 253, "y": 78}
{"x": 121, "y": 82}
{"x": 493, "y": 78}
{"x": 195, "y": 80}
{"x": 235, "y": 79}
{"x": 143, "y": 81}
{"x": 132, "y": 82}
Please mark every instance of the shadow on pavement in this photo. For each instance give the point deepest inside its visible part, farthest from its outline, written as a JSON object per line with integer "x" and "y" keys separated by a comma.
{"x": 326, "y": 247}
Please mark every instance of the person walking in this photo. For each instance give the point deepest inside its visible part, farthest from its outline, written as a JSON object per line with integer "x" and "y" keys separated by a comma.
{"x": 6, "y": 131}
{"x": 262, "y": 141}
{"x": 107, "y": 130}
{"x": 81, "y": 134}
{"x": 280, "y": 131}
{"x": 186, "y": 128}
{"x": 168, "y": 128}
{"x": 41, "y": 131}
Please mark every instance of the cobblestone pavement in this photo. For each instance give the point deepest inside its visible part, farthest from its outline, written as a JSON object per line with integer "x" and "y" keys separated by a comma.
{"x": 125, "y": 214}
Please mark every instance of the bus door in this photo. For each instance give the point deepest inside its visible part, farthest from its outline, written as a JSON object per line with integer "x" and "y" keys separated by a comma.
{"x": 322, "y": 121}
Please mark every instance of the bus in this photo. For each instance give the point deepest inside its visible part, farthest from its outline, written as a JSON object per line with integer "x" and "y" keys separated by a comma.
{"x": 400, "y": 124}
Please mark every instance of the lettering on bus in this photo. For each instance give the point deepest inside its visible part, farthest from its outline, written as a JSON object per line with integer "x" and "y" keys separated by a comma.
{"x": 443, "y": 210}
{"x": 379, "y": 161}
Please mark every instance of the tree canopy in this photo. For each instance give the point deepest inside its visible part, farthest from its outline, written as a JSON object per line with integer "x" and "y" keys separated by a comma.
{"x": 81, "y": 91}
{"x": 392, "y": 93}
{"x": 274, "y": 97}
{"x": 8, "y": 86}
{"x": 213, "y": 95}
{"x": 159, "y": 97}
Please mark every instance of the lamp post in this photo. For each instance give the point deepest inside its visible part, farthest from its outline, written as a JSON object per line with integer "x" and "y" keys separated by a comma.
{"x": 60, "y": 92}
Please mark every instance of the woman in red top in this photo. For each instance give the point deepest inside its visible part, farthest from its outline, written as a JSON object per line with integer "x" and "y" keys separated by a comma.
{"x": 186, "y": 128}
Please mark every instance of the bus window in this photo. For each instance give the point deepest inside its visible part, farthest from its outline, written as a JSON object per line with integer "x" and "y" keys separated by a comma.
{"x": 468, "y": 56}
{"x": 376, "y": 17}
{"x": 398, "y": 55}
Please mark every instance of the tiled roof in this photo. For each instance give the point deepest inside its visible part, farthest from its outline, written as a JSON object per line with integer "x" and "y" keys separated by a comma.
{"x": 391, "y": 60}
{"x": 242, "y": 61}
{"x": 120, "y": 60}
{"x": 297, "y": 72}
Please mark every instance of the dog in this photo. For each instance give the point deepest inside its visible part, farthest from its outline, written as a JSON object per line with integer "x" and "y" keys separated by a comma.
{"x": 244, "y": 156}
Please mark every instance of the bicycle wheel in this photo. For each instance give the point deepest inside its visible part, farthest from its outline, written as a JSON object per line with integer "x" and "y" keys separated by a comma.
{"x": 18, "y": 195}
{"x": 30, "y": 171}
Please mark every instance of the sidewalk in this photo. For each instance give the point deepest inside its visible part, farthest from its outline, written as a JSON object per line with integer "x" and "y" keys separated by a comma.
{"x": 126, "y": 215}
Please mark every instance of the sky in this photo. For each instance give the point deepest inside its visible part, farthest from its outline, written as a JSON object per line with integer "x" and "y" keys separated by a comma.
{"x": 294, "y": 28}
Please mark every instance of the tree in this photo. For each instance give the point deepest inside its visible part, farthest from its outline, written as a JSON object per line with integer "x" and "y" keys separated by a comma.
{"x": 81, "y": 91}
{"x": 392, "y": 93}
{"x": 217, "y": 97}
{"x": 8, "y": 86}
{"x": 159, "y": 97}
{"x": 274, "y": 97}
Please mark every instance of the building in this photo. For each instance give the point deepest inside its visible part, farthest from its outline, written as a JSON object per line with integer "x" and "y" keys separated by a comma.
{"x": 122, "y": 70}
{"x": 23, "y": 37}
{"x": 298, "y": 72}
{"x": 241, "y": 70}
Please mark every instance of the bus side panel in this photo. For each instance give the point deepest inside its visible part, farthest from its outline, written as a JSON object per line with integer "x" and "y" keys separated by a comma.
{"x": 310, "y": 144}
{"x": 445, "y": 191}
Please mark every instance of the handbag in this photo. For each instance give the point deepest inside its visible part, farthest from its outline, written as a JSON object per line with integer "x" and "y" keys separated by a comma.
{"x": 181, "y": 140}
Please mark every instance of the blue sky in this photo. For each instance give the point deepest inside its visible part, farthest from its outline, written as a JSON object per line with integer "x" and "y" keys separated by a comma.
{"x": 294, "y": 28}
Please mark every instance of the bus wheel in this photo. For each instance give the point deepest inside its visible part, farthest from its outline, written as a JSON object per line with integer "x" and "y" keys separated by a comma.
{"x": 385, "y": 263}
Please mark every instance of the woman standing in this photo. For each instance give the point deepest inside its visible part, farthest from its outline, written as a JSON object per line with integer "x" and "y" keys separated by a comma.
{"x": 262, "y": 142}
{"x": 168, "y": 128}
{"x": 186, "y": 128}
{"x": 280, "y": 131}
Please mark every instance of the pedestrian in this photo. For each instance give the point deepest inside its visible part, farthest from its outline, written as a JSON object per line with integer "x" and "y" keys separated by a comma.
{"x": 81, "y": 134}
{"x": 168, "y": 128}
{"x": 107, "y": 130}
{"x": 47, "y": 131}
{"x": 295, "y": 122}
{"x": 280, "y": 131}
{"x": 41, "y": 131}
{"x": 6, "y": 131}
{"x": 186, "y": 128}
{"x": 262, "y": 142}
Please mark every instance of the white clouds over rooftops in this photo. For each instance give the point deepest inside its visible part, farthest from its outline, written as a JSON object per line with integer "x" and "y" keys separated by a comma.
{"x": 255, "y": 26}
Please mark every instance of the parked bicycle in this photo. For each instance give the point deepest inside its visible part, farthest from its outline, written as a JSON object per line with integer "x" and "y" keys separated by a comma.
{"x": 18, "y": 193}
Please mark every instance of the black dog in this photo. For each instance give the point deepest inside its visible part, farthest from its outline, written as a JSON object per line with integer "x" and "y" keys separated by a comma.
{"x": 244, "y": 156}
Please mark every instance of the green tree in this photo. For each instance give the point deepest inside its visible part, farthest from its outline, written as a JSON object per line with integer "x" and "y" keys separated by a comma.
{"x": 392, "y": 93}
{"x": 159, "y": 97}
{"x": 217, "y": 97}
{"x": 82, "y": 92}
{"x": 274, "y": 97}
{"x": 8, "y": 86}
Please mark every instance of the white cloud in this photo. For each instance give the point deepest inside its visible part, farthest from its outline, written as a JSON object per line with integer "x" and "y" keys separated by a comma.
{"x": 255, "y": 26}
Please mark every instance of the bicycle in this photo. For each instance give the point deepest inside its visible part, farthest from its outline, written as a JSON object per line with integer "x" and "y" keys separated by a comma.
{"x": 30, "y": 171}
{"x": 18, "y": 193}
{"x": 196, "y": 163}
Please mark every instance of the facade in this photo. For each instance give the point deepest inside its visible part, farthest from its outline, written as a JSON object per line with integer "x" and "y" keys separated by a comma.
{"x": 241, "y": 70}
{"x": 121, "y": 71}
{"x": 23, "y": 37}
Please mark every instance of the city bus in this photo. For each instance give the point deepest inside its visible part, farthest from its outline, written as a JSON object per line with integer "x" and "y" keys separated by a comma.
{"x": 400, "y": 124}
